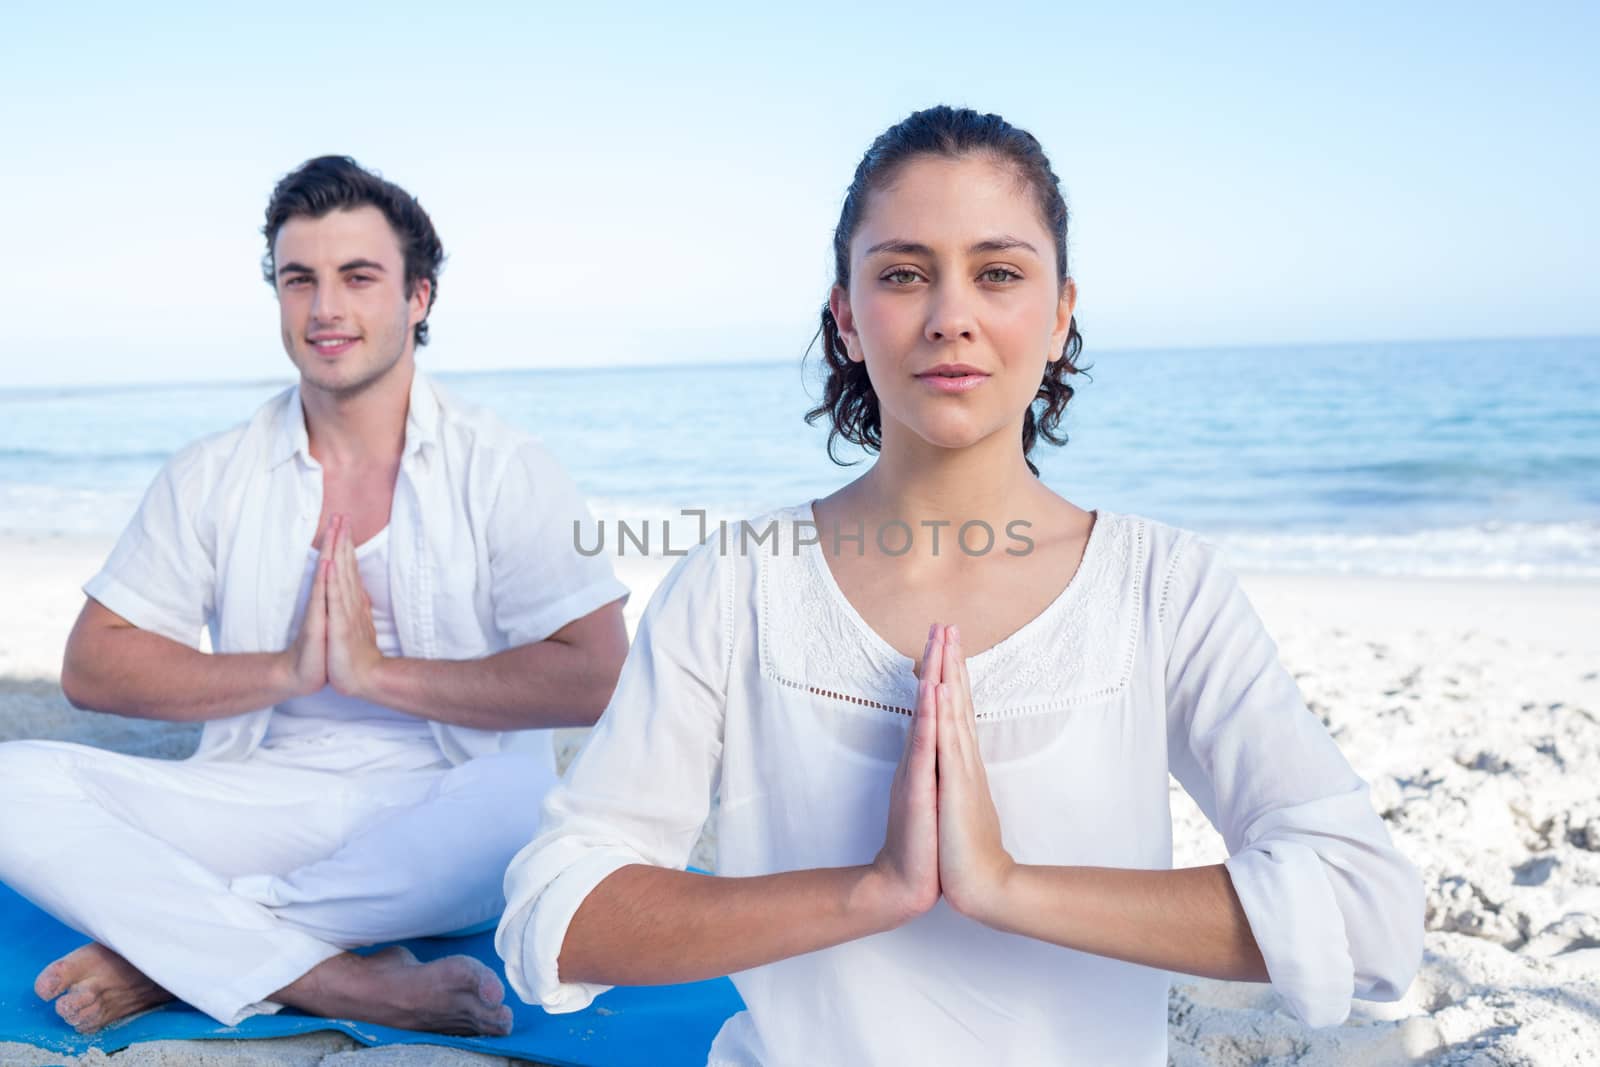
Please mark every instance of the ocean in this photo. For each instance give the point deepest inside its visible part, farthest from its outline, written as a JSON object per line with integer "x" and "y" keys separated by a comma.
{"x": 1460, "y": 458}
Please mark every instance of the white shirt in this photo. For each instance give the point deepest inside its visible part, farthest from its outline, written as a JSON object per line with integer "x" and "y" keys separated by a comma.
{"x": 753, "y": 677}
{"x": 482, "y": 549}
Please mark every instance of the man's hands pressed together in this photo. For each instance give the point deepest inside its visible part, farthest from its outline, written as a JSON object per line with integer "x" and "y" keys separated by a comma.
{"x": 337, "y": 643}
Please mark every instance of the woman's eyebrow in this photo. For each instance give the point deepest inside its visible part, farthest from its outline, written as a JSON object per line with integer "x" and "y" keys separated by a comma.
{"x": 899, "y": 246}
{"x": 1002, "y": 244}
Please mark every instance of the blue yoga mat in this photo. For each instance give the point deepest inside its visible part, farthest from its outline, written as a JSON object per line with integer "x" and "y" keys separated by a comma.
{"x": 656, "y": 1026}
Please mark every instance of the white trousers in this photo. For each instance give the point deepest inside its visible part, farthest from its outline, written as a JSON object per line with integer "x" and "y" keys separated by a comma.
{"x": 226, "y": 881}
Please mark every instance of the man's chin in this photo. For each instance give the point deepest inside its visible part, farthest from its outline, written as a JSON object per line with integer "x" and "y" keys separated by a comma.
{"x": 344, "y": 379}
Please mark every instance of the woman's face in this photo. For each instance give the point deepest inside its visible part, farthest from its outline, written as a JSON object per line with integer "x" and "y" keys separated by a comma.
{"x": 953, "y": 303}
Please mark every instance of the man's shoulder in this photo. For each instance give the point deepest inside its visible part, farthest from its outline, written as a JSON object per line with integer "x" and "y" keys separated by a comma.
{"x": 479, "y": 429}
{"x": 210, "y": 453}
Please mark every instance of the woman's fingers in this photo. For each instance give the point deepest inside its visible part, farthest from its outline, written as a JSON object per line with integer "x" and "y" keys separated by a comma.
{"x": 956, "y": 710}
{"x": 931, "y": 655}
{"x": 922, "y": 745}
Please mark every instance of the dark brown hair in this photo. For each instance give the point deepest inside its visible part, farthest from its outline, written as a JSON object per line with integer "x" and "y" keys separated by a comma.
{"x": 848, "y": 400}
{"x": 336, "y": 183}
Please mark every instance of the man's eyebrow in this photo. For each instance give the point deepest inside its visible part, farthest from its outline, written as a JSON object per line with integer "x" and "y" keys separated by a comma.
{"x": 293, "y": 268}
{"x": 361, "y": 264}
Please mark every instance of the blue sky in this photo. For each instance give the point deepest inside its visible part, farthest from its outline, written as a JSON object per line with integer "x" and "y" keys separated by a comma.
{"x": 623, "y": 184}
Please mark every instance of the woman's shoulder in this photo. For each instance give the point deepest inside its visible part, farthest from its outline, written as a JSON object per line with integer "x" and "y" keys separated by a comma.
{"x": 1162, "y": 543}
{"x": 727, "y": 551}
{"x": 1161, "y": 560}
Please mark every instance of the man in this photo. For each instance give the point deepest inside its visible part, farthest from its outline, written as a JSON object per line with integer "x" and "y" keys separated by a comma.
{"x": 398, "y": 616}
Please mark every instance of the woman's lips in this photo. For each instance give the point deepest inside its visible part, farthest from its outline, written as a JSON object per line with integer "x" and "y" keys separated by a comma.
{"x": 953, "y": 383}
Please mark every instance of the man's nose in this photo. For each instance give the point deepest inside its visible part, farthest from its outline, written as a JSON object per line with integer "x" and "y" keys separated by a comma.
{"x": 328, "y": 306}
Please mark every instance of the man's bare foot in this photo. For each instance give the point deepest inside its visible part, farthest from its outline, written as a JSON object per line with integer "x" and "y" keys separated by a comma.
{"x": 94, "y": 987}
{"x": 453, "y": 995}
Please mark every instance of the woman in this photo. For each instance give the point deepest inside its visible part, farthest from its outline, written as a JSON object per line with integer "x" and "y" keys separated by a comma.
{"x": 951, "y": 841}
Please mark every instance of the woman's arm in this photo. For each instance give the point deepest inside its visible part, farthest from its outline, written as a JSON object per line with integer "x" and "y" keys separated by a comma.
{"x": 1185, "y": 920}
{"x": 594, "y": 899}
{"x": 645, "y": 925}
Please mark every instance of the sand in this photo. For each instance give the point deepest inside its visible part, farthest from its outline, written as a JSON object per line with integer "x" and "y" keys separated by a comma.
{"x": 1472, "y": 707}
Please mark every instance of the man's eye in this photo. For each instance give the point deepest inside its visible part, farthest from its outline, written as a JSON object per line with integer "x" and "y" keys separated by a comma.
{"x": 297, "y": 280}
{"x": 361, "y": 278}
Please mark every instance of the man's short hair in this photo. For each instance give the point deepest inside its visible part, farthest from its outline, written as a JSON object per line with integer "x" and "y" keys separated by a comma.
{"x": 338, "y": 183}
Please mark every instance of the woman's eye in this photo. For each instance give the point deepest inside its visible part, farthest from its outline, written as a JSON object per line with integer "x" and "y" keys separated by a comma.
{"x": 1000, "y": 275}
{"x": 901, "y": 277}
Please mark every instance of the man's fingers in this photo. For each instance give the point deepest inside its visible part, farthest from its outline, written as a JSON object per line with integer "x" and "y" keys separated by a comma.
{"x": 316, "y": 616}
{"x": 330, "y": 537}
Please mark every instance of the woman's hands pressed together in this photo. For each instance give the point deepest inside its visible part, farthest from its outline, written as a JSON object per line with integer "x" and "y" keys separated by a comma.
{"x": 973, "y": 862}
{"x": 943, "y": 836}
{"x": 944, "y": 840}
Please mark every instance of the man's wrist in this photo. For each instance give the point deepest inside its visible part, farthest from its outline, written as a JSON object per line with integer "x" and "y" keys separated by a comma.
{"x": 377, "y": 683}
{"x": 282, "y": 680}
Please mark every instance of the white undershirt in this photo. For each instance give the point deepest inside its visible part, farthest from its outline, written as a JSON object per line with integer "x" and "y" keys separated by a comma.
{"x": 328, "y": 714}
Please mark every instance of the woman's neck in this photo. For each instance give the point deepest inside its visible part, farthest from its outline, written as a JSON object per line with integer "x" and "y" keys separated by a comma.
{"x": 915, "y": 482}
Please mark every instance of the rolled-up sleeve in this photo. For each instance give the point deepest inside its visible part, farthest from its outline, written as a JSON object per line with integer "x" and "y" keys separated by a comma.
{"x": 640, "y": 790}
{"x": 1335, "y": 909}
{"x": 546, "y": 565}
{"x": 162, "y": 574}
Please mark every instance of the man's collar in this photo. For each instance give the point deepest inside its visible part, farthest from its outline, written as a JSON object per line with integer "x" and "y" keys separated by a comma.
{"x": 422, "y": 415}
{"x": 422, "y": 423}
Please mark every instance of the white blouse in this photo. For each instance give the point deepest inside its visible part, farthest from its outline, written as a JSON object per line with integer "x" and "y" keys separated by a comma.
{"x": 753, "y": 678}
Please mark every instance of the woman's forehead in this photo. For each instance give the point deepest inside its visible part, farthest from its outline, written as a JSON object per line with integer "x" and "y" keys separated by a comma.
{"x": 939, "y": 201}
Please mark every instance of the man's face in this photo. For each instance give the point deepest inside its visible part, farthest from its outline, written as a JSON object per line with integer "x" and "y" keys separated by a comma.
{"x": 342, "y": 303}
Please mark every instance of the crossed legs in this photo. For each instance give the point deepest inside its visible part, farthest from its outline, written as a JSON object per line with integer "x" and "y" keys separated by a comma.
{"x": 236, "y": 887}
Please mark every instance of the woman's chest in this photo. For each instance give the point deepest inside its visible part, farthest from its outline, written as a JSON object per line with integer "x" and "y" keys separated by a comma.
{"x": 990, "y": 597}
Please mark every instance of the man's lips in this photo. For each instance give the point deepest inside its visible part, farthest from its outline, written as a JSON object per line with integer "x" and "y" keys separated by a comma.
{"x": 332, "y": 344}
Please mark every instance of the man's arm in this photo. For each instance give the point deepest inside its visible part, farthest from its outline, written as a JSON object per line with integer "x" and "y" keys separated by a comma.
{"x": 113, "y": 666}
{"x": 564, "y": 680}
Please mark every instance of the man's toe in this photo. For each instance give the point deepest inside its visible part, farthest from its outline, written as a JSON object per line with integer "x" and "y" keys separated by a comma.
{"x": 52, "y": 981}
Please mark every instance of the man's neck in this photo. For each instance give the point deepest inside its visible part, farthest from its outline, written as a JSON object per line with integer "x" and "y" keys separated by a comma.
{"x": 364, "y": 428}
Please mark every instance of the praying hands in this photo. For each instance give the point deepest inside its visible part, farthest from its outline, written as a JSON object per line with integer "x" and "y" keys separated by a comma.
{"x": 944, "y": 832}
{"x": 944, "y": 840}
{"x": 337, "y": 643}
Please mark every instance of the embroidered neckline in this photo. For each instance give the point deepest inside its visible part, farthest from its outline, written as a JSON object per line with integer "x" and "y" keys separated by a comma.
{"x": 817, "y": 642}
{"x": 819, "y": 562}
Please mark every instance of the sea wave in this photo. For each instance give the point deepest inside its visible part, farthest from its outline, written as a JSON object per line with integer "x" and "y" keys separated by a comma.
{"x": 1482, "y": 550}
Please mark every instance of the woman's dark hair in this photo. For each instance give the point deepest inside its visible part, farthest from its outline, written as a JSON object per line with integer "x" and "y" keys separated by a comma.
{"x": 848, "y": 400}
{"x": 337, "y": 183}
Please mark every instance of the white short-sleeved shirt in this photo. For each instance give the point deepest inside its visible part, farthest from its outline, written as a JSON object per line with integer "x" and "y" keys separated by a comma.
{"x": 482, "y": 549}
{"x": 752, "y": 676}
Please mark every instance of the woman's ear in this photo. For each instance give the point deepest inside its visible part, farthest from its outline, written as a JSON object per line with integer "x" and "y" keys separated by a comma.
{"x": 845, "y": 321}
{"x": 1063, "y": 323}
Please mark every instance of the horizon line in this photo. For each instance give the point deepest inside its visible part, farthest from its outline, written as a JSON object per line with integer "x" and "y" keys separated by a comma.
{"x": 479, "y": 372}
